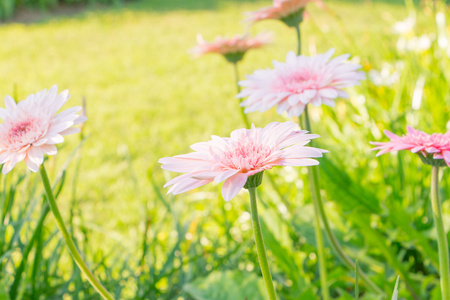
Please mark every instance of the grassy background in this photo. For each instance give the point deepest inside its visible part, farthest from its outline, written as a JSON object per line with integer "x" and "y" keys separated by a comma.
{"x": 147, "y": 98}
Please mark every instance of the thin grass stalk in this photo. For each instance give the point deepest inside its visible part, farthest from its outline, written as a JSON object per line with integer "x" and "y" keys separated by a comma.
{"x": 36, "y": 263}
{"x": 264, "y": 265}
{"x": 69, "y": 242}
{"x": 444, "y": 265}
{"x": 238, "y": 88}
{"x": 35, "y": 236}
{"x": 356, "y": 280}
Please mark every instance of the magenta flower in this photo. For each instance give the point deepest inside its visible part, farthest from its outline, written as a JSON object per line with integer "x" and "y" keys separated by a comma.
{"x": 298, "y": 82}
{"x": 31, "y": 129}
{"x": 233, "y": 49}
{"x": 245, "y": 153}
{"x": 288, "y": 11}
{"x": 434, "y": 148}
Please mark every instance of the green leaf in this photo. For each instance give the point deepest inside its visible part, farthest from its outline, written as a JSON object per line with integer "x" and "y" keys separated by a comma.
{"x": 395, "y": 294}
{"x": 229, "y": 285}
{"x": 4, "y": 295}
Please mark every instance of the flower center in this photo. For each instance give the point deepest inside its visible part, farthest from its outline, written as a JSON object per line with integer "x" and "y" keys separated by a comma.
{"x": 245, "y": 155}
{"x": 20, "y": 129}
{"x": 297, "y": 82}
{"x": 24, "y": 133}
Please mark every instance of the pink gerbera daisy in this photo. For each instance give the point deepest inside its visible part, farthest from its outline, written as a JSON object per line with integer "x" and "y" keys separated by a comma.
{"x": 233, "y": 49}
{"x": 245, "y": 153}
{"x": 31, "y": 129}
{"x": 434, "y": 148}
{"x": 288, "y": 11}
{"x": 298, "y": 82}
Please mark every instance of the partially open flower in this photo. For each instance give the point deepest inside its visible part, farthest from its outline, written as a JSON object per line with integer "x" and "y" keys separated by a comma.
{"x": 233, "y": 49}
{"x": 299, "y": 81}
{"x": 245, "y": 153}
{"x": 433, "y": 149}
{"x": 288, "y": 11}
{"x": 31, "y": 129}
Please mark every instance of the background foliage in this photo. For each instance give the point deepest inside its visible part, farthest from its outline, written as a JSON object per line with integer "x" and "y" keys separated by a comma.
{"x": 147, "y": 98}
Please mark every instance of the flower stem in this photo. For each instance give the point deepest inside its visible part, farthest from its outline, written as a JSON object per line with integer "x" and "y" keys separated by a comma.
{"x": 444, "y": 266}
{"x": 238, "y": 88}
{"x": 70, "y": 244}
{"x": 313, "y": 176}
{"x": 329, "y": 233}
{"x": 299, "y": 40}
{"x": 260, "y": 246}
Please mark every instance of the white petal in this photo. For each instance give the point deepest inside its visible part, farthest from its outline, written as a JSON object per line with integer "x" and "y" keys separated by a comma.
{"x": 54, "y": 139}
{"x": 36, "y": 155}
{"x": 49, "y": 149}
{"x": 233, "y": 185}
{"x": 10, "y": 103}
{"x": 32, "y": 166}
{"x": 70, "y": 130}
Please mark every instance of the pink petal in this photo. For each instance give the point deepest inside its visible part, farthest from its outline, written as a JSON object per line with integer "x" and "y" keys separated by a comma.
{"x": 233, "y": 185}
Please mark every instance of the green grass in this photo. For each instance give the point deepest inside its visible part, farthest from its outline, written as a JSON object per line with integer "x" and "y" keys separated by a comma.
{"x": 147, "y": 98}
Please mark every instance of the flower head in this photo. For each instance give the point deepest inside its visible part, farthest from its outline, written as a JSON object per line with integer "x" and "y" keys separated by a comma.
{"x": 288, "y": 11}
{"x": 245, "y": 153}
{"x": 233, "y": 49}
{"x": 298, "y": 82}
{"x": 434, "y": 148}
{"x": 31, "y": 129}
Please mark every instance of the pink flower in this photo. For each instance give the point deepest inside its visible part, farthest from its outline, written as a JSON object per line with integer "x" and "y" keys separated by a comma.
{"x": 288, "y": 11}
{"x": 245, "y": 153}
{"x": 298, "y": 82}
{"x": 232, "y": 48}
{"x": 432, "y": 147}
{"x": 30, "y": 128}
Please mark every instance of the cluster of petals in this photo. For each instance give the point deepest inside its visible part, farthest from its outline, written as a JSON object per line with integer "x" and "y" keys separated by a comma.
{"x": 245, "y": 153}
{"x": 31, "y": 128}
{"x": 436, "y": 145}
{"x": 299, "y": 81}
{"x": 278, "y": 11}
{"x": 236, "y": 44}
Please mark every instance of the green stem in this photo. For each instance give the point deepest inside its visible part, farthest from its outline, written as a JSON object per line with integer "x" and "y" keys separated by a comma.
{"x": 70, "y": 244}
{"x": 299, "y": 40}
{"x": 313, "y": 176}
{"x": 356, "y": 280}
{"x": 260, "y": 246}
{"x": 444, "y": 266}
{"x": 238, "y": 88}
{"x": 329, "y": 233}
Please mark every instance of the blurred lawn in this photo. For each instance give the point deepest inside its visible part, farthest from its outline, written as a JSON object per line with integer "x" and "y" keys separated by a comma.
{"x": 145, "y": 93}
{"x": 147, "y": 98}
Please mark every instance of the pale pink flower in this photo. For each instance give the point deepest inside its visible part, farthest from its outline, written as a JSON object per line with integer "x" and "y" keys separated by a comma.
{"x": 431, "y": 147}
{"x": 232, "y": 48}
{"x": 298, "y": 82}
{"x": 245, "y": 153}
{"x": 31, "y": 129}
{"x": 288, "y": 11}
